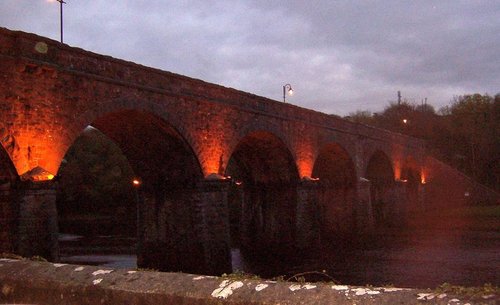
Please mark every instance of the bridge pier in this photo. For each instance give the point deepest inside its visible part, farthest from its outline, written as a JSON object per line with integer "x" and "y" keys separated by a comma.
{"x": 308, "y": 215}
{"x": 363, "y": 210}
{"x": 185, "y": 228}
{"x": 398, "y": 207}
{"x": 7, "y": 218}
{"x": 37, "y": 229}
{"x": 212, "y": 225}
{"x": 422, "y": 197}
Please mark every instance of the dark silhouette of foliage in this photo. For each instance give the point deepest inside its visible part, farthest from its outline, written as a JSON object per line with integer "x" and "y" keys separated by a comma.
{"x": 95, "y": 180}
{"x": 474, "y": 122}
{"x": 465, "y": 134}
{"x": 362, "y": 117}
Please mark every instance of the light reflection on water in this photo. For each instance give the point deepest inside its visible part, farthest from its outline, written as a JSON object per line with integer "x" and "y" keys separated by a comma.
{"x": 128, "y": 261}
{"x": 112, "y": 261}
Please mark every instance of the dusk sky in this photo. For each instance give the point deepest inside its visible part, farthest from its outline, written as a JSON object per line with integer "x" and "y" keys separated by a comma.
{"x": 339, "y": 56}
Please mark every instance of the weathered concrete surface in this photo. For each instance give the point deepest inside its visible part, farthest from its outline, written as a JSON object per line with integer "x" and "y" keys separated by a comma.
{"x": 23, "y": 281}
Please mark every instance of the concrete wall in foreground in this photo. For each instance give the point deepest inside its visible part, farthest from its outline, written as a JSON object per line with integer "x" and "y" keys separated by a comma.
{"x": 28, "y": 282}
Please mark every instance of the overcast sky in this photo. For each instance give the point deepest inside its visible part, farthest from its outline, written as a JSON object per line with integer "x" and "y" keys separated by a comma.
{"x": 339, "y": 56}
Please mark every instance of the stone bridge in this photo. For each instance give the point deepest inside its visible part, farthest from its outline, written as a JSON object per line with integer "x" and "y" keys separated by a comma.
{"x": 217, "y": 166}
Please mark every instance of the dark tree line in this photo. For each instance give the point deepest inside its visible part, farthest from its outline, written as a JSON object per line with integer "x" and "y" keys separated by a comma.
{"x": 464, "y": 134}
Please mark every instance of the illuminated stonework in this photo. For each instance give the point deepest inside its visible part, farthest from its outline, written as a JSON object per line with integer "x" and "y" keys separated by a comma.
{"x": 423, "y": 177}
{"x": 37, "y": 174}
{"x": 305, "y": 168}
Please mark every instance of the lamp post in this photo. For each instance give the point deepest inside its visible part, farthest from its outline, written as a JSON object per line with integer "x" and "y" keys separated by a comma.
{"x": 136, "y": 182}
{"x": 290, "y": 91}
{"x": 61, "y": 2}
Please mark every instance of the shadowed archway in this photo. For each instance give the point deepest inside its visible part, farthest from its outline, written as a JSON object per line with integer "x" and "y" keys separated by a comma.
{"x": 167, "y": 171}
{"x": 381, "y": 175}
{"x": 263, "y": 197}
{"x": 96, "y": 204}
{"x": 337, "y": 192}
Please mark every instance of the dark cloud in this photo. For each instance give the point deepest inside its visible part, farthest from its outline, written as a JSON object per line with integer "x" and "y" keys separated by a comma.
{"x": 339, "y": 56}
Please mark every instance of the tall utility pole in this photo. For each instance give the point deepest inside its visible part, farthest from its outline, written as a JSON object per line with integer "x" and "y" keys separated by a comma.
{"x": 399, "y": 98}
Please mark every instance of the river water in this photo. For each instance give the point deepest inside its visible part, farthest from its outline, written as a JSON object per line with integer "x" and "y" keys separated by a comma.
{"x": 434, "y": 250}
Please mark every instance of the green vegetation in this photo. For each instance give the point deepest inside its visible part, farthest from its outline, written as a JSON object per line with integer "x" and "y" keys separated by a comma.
{"x": 240, "y": 275}
{"x": 35, "y": 258}
{"x": 301, "y": 277}
{"x": 147, "y": 270}
{"x": 471, "y": 292}
{"x": 465, "y": 134}
{"x": 10, "y": 256}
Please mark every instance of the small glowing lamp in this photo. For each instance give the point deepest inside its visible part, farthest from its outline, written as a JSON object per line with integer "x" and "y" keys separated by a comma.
{"x": 287, "y": 88}
{"x": 136, "y": 182}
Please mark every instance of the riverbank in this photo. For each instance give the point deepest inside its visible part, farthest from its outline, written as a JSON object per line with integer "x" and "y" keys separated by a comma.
{"x": 33, "y": 282}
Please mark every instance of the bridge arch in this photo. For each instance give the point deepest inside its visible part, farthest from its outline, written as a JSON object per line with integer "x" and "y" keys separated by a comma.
{"x": 263, "y": 197}
{"x": 157, "y": 148}
{"x": 144, "y": 107}
{"x": 380, "y": 173}
{"x": 337, "y": 196}
{"x": 169, "y": 171}
{"x": 256, "y": 127}
{"x": 375, "y": 148}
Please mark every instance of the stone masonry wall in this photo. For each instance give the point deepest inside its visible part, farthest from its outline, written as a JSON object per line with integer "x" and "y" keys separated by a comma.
{"x": 37, "y": 229}
{"x": 60, "y": 90}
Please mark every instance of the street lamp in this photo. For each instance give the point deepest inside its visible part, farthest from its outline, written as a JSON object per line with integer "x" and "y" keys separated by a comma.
{"x": 61, "y": 2}
{"x": 136, "y": 182}
{"x": 290, "y": 91}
